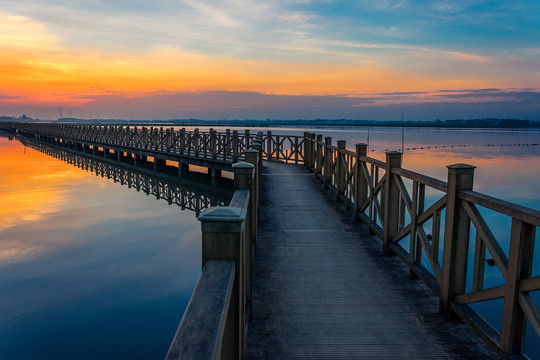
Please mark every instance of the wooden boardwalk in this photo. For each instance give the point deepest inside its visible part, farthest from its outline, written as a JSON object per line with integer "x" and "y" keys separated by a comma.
{"x": 323, "y": 289}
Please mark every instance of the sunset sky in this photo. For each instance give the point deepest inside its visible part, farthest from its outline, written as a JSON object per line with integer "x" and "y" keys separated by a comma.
{"x": 280, "y": 59}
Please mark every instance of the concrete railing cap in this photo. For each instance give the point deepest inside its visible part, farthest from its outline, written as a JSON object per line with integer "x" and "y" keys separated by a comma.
{"x": 223, "y": 213}
{"x": 242, "y": 165}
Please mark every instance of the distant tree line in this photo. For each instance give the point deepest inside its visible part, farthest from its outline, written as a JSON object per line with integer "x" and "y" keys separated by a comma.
{"x": 472, "y": 123}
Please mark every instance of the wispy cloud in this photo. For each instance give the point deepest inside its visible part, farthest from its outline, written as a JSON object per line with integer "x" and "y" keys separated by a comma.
{"x": 442, "y": 104}
{"x": 323, "y": 47}
{"x": 22, "y": 33}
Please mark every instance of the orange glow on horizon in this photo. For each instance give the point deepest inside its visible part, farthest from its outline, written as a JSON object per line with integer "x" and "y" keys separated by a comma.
{"x": 74, "y": 80}
{"x": 40, "y": 69}
{"x": 73, "y": 77}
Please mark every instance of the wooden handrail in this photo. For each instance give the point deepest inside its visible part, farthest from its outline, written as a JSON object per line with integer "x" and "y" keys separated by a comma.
{"x": 516, "y": 211}
{"x": 228, "y": 236}
{"x": 422, "y": 179}
{"x": 203, "y": 326}
{"x": 226, "y": 146}
{"x": 383, "y": 202}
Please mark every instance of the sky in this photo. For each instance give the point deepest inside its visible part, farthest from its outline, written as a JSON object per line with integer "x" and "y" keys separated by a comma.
{"x": 280, "y": 59}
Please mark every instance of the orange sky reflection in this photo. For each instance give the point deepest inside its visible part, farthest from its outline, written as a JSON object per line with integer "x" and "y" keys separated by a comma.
{"x": 32, "y": 187}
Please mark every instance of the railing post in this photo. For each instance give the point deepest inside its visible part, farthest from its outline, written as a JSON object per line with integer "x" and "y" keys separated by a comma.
{"x": 222, "y": 238}
{"x": 247, "y": 139}
{"x": 340, "y": 170}
{"x": 196, "y": 141}
{"x": 296, "y": 150}
{"x": 306, "y": 149}
{"x": 319, "y": 163}
{"x": 243, "y": 172}
{"x": 328, "y": 160}
{"x": 278, "y": 147}
{"x": 235, "y": 145}
{"x": 136, "y": 137}
{"x": 168, "y": 140}
{"x": 154, "y": 138}
{"x": 269, "y": 149}
{"x": 145, "y": 137}
{"x": 520, "y": 260}
{"x": 360, "y": 181}
{"x": 456, "y": 237}
{"x": 183, "y": 140}
{"x": 312, "y": 149}
{"x": 391, "y": 200}
{"x": 227, "y": 143}
{"x": 213, "y": 144}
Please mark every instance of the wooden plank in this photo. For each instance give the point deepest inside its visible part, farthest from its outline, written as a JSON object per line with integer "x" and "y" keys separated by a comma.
{"x": 322, "y": 289}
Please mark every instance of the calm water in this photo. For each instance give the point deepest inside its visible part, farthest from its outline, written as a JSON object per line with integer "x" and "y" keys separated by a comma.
{"x": 89, "y": 268}
{"x": 93, "y": 268}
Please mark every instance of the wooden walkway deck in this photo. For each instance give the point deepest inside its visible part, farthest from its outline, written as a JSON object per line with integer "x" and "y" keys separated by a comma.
{"x": 323, "y": 289}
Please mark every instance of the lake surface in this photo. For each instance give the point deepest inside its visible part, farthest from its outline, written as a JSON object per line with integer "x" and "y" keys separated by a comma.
{"x": 90, "y": 268}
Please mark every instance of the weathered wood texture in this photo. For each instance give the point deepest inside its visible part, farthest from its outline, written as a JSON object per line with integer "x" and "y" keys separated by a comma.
{"x": 401, "y": 207}
{"x": 200, "y": 336}
{"x": 323, "y": 289}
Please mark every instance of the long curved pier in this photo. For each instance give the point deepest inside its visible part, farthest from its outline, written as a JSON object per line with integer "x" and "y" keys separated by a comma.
{"x": 335, "y": 254}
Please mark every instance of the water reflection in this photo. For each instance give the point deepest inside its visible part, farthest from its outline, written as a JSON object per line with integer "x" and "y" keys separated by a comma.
{"x": 87, "y": 270}
{"x": 193, "y": 192}
{"x": 109, "y": 272}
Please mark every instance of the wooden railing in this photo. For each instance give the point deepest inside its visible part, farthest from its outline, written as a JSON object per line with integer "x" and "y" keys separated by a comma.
{"x": 212, "y": 145}
{"x": 214, "y": 323}
{"x": 429, "y": 223}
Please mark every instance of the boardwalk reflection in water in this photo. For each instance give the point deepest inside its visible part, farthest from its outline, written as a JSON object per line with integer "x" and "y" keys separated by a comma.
{"x": 193, "y": 192}
{"x": 88, "y": 269}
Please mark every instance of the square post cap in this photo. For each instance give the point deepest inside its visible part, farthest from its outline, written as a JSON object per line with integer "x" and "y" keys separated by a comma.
{"x": 222, "y": 219}
{"x": 456, "y": 168}
{"x": 251, "y": 152}
{"x": 243, "y": 167}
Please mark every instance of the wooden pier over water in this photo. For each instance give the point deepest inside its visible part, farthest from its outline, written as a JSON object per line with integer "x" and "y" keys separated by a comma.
{"x": 335, "y": 254}
{"x": 323, "y": 289}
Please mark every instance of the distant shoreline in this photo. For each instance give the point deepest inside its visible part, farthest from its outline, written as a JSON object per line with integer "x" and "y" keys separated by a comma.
{"x": 455, "y": 123}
